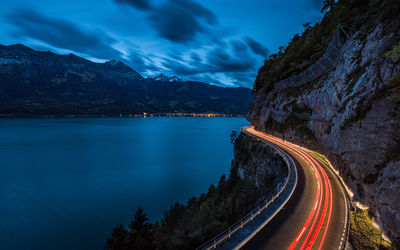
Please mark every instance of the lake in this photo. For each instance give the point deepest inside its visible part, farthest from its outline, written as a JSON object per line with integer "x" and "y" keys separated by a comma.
{"x": 65, "y": 182}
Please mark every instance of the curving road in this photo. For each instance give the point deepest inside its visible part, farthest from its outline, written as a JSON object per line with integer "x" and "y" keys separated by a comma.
{"x": 315, "y": 217}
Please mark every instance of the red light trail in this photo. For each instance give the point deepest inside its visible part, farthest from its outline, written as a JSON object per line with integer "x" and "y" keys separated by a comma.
{"x": 323, "y": 197}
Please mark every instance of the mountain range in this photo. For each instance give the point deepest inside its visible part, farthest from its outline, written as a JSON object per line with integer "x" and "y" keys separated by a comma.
{"x": 35, "y": 83}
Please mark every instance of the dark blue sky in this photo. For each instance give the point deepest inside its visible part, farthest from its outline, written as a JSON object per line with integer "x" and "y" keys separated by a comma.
{"x": 216, "y": 41}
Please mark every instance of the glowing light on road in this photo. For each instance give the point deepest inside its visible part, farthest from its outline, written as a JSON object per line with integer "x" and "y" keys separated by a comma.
{"x": 314, "y": 215}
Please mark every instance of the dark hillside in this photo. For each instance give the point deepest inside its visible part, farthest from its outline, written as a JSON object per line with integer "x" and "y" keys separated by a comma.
{"x": 36, "y": 83}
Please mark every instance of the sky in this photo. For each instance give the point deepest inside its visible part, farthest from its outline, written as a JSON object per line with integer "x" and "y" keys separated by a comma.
{"x": 221, "y": 42}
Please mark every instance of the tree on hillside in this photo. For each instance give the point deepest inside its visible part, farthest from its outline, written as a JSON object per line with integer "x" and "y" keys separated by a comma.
{"x": 118, "y": 239}
{"x": 233, "y": 136}
{"x": 141, "y": 234}
{"x": 328, "y": 4}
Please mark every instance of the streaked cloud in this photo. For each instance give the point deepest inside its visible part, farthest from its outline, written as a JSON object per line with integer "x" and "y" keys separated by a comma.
{"x": 257, "y": 47}
{"x": 194, "y": 39}
{"x": 63, "y": 34}
{"x": 139, "y": 4}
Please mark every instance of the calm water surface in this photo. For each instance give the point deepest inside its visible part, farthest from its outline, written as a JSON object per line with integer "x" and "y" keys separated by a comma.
{"x": 64, "y": 183}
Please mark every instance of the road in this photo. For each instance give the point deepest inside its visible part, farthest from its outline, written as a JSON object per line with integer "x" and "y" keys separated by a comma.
{"x": 316, "y": 215}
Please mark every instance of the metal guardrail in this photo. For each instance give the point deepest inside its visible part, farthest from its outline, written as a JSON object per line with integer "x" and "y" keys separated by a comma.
{"x": 226, "y": 235}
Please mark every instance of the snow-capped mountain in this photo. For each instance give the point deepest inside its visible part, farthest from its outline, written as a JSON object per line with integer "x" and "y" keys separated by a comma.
{"x": 165, "y": 78}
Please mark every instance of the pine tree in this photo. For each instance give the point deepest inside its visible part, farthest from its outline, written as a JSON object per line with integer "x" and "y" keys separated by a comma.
{"x": 233, "y": 136}
{"x": 118, "y": 239}
{"x": 141, "y": 234}
{"x": 328, "y": 4}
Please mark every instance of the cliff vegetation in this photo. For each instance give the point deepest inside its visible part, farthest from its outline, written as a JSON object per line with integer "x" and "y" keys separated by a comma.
{"x": 305, "y": 49}
{"x": 363, "y": 234}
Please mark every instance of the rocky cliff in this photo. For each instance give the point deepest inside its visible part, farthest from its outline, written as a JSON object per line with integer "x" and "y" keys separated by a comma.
{"x": 258, "y": 164}
{"x": 350, "y": 114}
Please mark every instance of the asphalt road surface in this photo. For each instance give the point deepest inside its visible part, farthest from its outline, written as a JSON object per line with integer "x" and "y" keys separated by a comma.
{"x": 315, "y": 217}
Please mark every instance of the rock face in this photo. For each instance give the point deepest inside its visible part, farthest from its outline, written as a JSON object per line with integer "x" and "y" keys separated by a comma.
{"x": 258, "y": 164}
{"x": 351, "y": 114}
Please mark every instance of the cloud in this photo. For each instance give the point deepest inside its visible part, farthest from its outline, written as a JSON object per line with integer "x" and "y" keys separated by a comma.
{"x": 137, "y": 61}
{"x": 178, "y": 67}
{"x": 181, "y": 20}
{"x": 195, "y": 57}
{"x": 257, "y": 47}
{"x": 63, "y": 34}
{"x": 207, "y": 78}
{"x": 139, "y": 4}
{"x": 239, "y": 47}
{"x": 176, "y": 20}
{"x": 228, "y": 59}
{"x": 232, "y": 61}
{"x": 237, "y": 59}
{"x": 243, "y": 79}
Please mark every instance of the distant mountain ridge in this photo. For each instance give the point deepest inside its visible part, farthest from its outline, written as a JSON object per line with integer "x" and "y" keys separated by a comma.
{"x": 165, "y": 78}
{"x": 36, "y": 83}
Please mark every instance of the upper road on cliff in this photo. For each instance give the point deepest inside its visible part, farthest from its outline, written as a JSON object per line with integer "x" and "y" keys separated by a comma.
{"x": 316, "y": 216}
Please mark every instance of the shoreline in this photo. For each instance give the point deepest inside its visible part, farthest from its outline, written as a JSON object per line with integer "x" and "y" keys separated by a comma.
{"x": 143, "y": 115}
